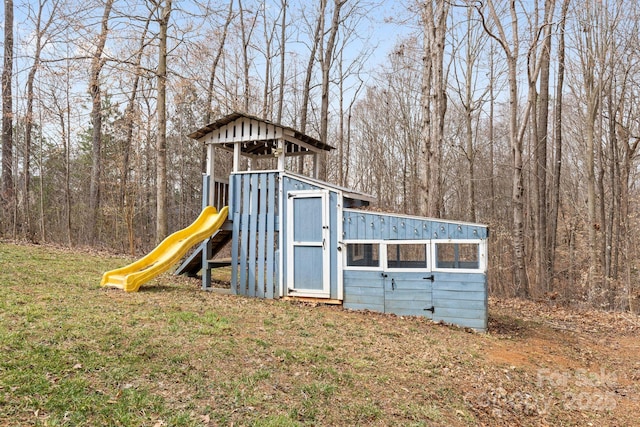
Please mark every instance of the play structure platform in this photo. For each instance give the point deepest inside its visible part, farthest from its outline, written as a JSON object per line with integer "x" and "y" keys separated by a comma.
{"x": 295, "y": 236}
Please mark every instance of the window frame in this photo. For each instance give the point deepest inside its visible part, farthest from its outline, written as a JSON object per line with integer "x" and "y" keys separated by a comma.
{"x": 427, "y": 253}
{"x": 482, "y": 255}
{"x": 345, "y": 257}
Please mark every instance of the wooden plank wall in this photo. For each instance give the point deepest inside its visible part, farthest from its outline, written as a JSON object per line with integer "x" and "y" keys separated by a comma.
{"x": 461, "y": 299}
{"x": 458, "y": 298}
{"x": 361, "y": 225}
{"x": 254, "y": 211}
{"x": 363, "y": 290}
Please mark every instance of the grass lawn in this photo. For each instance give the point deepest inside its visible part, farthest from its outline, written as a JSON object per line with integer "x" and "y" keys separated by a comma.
{"x": 75, "y": 354}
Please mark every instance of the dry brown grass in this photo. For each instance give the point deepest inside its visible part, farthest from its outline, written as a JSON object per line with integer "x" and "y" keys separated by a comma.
{"x": 171, "y": 354}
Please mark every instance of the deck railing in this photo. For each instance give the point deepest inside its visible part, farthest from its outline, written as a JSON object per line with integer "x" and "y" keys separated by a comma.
{"x": 217, "y": 198}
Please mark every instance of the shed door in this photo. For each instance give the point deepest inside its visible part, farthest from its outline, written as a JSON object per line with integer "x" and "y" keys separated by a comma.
{"x": 408, "y": 280}
{"x": 308, "y": 260}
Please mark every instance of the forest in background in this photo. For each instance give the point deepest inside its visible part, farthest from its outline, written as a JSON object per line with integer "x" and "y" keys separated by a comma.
{"x": 520, "y": 115}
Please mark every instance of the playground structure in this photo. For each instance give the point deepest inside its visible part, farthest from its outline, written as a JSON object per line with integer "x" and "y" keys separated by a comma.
{"x": 167, "y": 253}
{"x": 295, "y": 236}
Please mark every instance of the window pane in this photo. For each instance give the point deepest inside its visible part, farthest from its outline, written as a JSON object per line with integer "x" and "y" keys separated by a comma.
{"x": 407, "y": 255}
{"x": 363, "y": 255}
{"x": 307, "y": 219}
{"x": 457, "y": 255}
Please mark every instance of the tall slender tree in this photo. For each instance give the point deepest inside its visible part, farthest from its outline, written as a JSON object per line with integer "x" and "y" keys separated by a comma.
{"x": 434, "y": 103}
{"x": 97, "y": 62}
{"x": 541, "y": 143}
{"x": 554, "y": 209}
{"x": 511, "y": 48}
{"x": 327, "y": 55}
{"x": 306, "y": 86}
{"x": 161, "y": 139}
{"x": 7, "y": 195}
{"x": 40, "y": 42}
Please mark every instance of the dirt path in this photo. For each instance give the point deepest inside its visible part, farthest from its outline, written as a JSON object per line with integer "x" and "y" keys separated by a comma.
{"x": 585, "y": 364}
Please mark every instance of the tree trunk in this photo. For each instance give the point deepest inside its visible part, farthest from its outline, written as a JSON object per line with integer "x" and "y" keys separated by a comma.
{"x": 39, "y": 33}
{"x": 161, "y": 141}
{"x": 97, "y": 62}
{"x": 542, "y": 122}
{"x": 212, "y": 80}
{"x": 434, "y": 99}
{"x": 306, "y": 89}
{"x": 492, "y": 101}
{"x": 246, "y": 38}
{"x": 7, "y": 195}
{"x": 557, "y": 166}
{"x": 283, "y": 50}
{"x": 129, "y": 114}
{"x": 516, "y": 135}
{"x": 468, "y": 120}
{"x": 327, "y": 61}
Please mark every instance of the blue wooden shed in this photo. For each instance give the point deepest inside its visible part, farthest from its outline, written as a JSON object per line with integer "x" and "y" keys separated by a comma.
{"x": 295, "y": 236}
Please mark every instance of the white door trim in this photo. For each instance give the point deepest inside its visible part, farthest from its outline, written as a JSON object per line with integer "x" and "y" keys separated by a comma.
{"x": 291, "y": 244}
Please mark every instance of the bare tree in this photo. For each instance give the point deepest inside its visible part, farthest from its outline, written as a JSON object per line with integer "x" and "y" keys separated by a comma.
{"x": 326, "y": 53}
{"x": 283, "y": 52}
{"x": 541, "y": 142}
{"x": 161, "y": 141}
{"x": 246, "y": 41}
{"x": 40, "y": 35}
{"x": 7, "y": 112}
{"x": 472, "y": 99}
{"x": 511, "y": 49}
{"x": 214, "y": 65}
{"x": 129, "y": 113}
{"x": 434, "y": 99}
{"x": 97, "y": 62}
{"x": 306, "y": 86}
{"x": 592, "y": 49}
{"x": 552, "y": 231}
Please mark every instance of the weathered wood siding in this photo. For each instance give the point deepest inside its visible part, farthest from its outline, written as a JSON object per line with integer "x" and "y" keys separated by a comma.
{"x": 458, "y": 298}
{"x": 461, "y": 299}
{"x": 361, "y": 225}
{"x": 254, "y": 213}
{"x": 363, "y": 290}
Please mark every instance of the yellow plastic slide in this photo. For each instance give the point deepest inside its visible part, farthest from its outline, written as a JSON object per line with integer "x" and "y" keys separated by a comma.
{"x": 167, "y": 253}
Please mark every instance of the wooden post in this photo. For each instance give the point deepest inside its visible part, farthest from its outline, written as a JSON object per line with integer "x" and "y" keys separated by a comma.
{"x": 207, "y": 199}
{"x": 281, "y": 154}
{"x": 236, "y": 157}
{"x": 316, "y": 165}
{"x": 210, "y": 195}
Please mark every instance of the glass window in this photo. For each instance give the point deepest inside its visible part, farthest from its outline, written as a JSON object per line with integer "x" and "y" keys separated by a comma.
{"x": 363, "y": 255}
{"x": 458, "y": 255}
{"x": 407, "y": 255}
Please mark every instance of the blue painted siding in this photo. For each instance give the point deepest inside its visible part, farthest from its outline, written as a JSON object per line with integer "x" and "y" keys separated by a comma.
{"x": 253, "y": 207}
{"x": 361, "y": 225}
{"x": 457, "y": 298}
{"x": 363, "y": 290}
{"x": 461, "y": 299}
